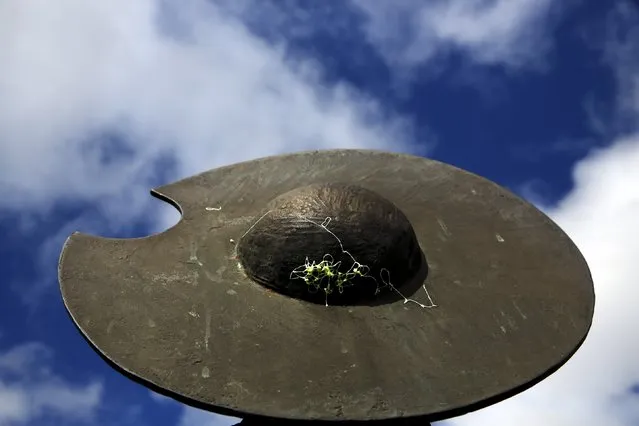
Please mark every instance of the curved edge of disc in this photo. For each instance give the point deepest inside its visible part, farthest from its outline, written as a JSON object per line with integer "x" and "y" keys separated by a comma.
{"x": 495, "y": 399}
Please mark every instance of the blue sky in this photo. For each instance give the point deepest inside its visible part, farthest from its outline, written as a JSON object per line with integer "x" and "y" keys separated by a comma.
{"x": 101, "y": 101}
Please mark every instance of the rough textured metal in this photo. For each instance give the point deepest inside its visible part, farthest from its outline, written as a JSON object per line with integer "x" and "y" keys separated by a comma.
{"x": 173, "y": 311}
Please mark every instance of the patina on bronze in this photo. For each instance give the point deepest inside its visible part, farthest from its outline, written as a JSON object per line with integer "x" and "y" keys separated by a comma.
{"x": 335, "y": 285}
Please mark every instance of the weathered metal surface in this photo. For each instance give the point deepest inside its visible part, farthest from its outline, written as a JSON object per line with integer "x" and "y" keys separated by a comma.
{"x": 514, "y": 299}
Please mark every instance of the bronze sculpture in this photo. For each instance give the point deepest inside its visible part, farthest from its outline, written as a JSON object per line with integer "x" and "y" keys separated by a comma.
{"x": 338, "y": 285}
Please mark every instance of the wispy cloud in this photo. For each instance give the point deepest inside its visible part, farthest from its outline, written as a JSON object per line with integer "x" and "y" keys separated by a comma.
{"x": 195, "y": 417}
{"x": 29, "y": 390}
{"x": 415, "y": 37}
{"x": 410, "y": 33}
{"x": 621, "y": 52}
{"x": 598, "y": 386}
{"x": 594, "y": 388}
{"x": 78, "y": 72}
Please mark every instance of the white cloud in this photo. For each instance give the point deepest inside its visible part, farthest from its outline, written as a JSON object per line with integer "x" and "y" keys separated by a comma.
{"x": 213, "y": 95}
{"x": 600, "y": 215}
{"x": 409, "y": 33}
{"x": 159, "y": 397}
{"x": 195, "y": 417}
{"x": 512, "y": 33}
{"x": 621, "y": 52}
{"x": 29, "y": 390}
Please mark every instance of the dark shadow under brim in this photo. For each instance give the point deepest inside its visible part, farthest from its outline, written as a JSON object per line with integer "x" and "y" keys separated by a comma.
{"x": 175, "y": 312}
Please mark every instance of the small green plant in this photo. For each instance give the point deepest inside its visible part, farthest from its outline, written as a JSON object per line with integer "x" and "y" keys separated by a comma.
{"x": 326, "y": 275}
